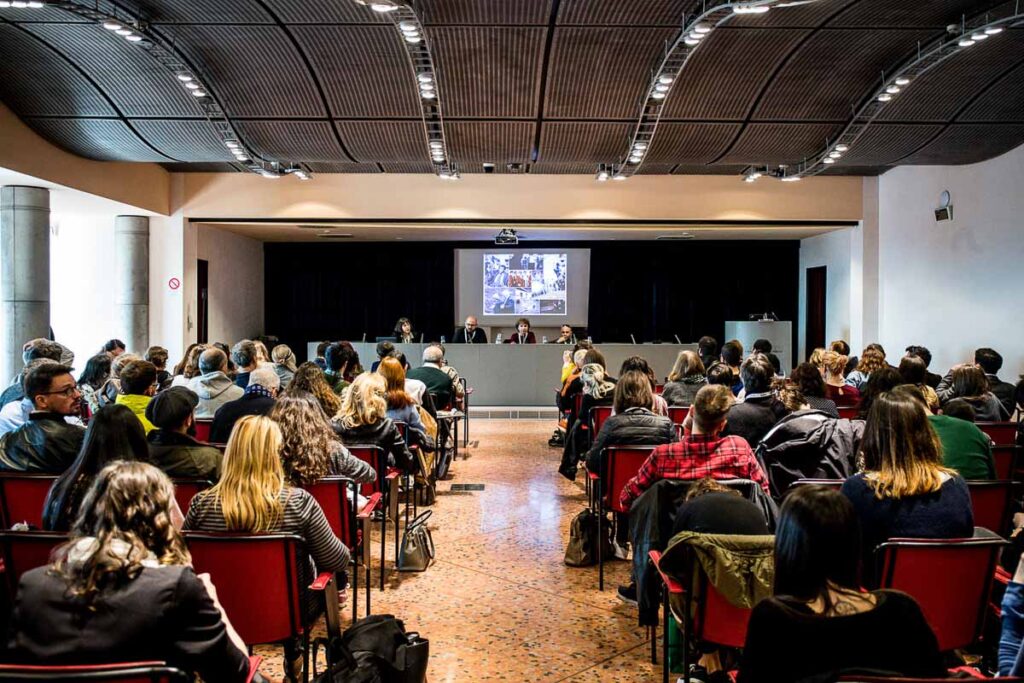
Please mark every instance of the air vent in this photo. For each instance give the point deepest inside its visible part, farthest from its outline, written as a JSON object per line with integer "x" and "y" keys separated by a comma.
{"x": 677, "y": 236}
{"x": 336, "y": 236}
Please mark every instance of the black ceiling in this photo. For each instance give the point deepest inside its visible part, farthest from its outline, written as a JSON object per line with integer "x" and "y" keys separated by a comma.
{"x": 552, "y": 85}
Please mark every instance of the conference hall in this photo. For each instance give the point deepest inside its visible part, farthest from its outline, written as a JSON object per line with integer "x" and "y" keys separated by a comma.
{"x": 533, "y": 341}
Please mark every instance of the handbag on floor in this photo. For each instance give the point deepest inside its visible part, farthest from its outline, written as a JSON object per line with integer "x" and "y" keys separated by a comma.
{"x": 583, "y": 539}
{"x": 417, "y": 550}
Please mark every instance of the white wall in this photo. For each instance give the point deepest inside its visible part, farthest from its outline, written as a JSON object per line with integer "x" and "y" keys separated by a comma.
{"x": 235, "y": 285}
{"x": 957, "y": 285}
{"x": 832, "y": 250}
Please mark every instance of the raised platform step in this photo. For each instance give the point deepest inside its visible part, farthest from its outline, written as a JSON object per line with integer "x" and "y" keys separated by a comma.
{"x": 513, "y": 413}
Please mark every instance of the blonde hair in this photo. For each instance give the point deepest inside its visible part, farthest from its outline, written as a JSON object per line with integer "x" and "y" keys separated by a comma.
{"x": 252, "y": 478}
{"x": 283, "y": 355}
{"x": 687, "y": 363}
{"x": 834, "y": 363}
{"x": 364, "y": 403}
{"x": 870, "y": 361}
{"x": 817, "y": 358}
{"x": 262, "y": 355}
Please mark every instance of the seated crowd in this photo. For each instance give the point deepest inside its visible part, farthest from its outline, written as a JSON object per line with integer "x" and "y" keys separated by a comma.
{"x": 118, "y": 436}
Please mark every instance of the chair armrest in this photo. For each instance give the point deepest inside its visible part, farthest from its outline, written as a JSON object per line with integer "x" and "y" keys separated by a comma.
{"x": 372, "y": 503}
{"x": 593, "y": 476}
{"x": 673, "y": 586}
{"x": 254, "y": 666}
{"x": 393, "y": 473}
{"x": 1002, "y": 576}
{"x": 323, "y": 579}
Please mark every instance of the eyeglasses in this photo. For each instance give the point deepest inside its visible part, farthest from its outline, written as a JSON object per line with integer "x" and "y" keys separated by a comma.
{"x": 66, "y": 392}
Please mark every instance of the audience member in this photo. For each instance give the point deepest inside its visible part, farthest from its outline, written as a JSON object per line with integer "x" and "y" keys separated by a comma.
{"x": 252, "y": 496}
{"x": 92, "y": 379}
{"x": 16, "y": 413}
{"x": 171, "y": 449}
{"x": 882, "y": 380}
{"x": 843, "y": 349}
{"x": 685, "y": 380}
{"x": 309, "y": 379}
{"x": 833, "y": 366}
{"x": 732, "y": 355}
{"x": 453, "y": 374}
{"x": 707, "y": 349}
{"x": 122, "y": 588}
{"x": 964, "y": 447}
{"x": 46, "y": 443}
{"x": 870, "y": 360}
{"x": 809, "y": 381}
{"x": 385, "y": 349}
{"x": 232, "y": 370}
{"x": 258, "y": 399}
{"x": 414, "y": 387}
{"x": 284, "y": 363}
{"x": 931, "y": 379}
{"x": 138, "y": 384}
{"x": 759, "y": 410}
{"x": 712, "y": 508}
{"x": 401, "y": 407}
{"x": 598, "y": 390}
{"x": 111, "y": 389}
{"x": 470, "y": 333}
{"x": 310, "y": 450}
{"x": 991, "y": 363}
{"x": 188, "y": 367}
{"x": 566, "y": 335}
{"x": 213, "y": 387}
{"x": 403, "y": 331}
{"x": 522, "y": 335}
{"x": 819, "y": 622}
{"x": 339, "y": 360}
{"x": 438, "y": 382}
{"x": 658, "y": 404}
{"x": 115, "y": 347}
{"x": 1011, "y": 654}
{"x": 968, "y": 383}
{"x": 761, "y": 346}
{"x": 245, "y": 356}
{"x": 262, "y": 353}
{"x": 33, "y": 350}
{"x": 114, "y": 434}
{"x": 363, "y": 420}
{"x": 817, "y": 359}
{"x": 179, "y": 367}
{"x": 157, "y": 355}
{"x": 321, "y": 360}
{"x": 913, "y": 371}
{"x": 720, "y": 373}
{"x": 905, "y": 490}
{"x": 702, "y": 452}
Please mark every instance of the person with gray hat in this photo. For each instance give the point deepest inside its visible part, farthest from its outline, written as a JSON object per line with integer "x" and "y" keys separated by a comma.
{"x": 170, "y": 447}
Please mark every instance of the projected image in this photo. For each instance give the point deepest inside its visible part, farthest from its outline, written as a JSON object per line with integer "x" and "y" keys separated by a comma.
{"x": 519, "y": 284}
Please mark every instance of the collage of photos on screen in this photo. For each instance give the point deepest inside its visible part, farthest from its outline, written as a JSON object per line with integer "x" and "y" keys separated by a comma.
{"x": 521, "y": 284}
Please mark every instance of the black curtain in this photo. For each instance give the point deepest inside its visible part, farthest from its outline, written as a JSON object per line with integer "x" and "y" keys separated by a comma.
{"x": 653, "y": 290}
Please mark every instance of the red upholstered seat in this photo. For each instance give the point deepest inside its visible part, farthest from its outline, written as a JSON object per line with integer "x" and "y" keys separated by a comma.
{"x": 127, "y": 672}
{"x": 22, "y": 497}
{"x": 1001, "y": 433}
{"x": 202, "y": 426}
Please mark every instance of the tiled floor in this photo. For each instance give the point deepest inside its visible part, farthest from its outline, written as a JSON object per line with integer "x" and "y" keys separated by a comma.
{"x": 499, "y": 604}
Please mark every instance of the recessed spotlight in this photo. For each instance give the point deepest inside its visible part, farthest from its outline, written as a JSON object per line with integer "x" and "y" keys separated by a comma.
{"x": 992, "y": 30}
{"x": 978, "y": 36}
{"x": 884, "y": 97}
{"x": 635, "y": 159}
{"x": 191, "y": 85}
{"x": 109, "y": 25}
{"x": 412, "y": 38}
{"x": 425, "y": 78}
{"x": 199, "y": 93}
{"x": 184, "y": 77}
{"x": 658, "y": 95}
{"x": 702, "y": 28}
{"x": 123, "y": 31}
{"x": 133, "y": 38}
{"x": 835, "y": 154}
{"x": 902, "y": 80}
{"x": 427, "y": 94}
{"x": 231, "y": 143}
{"x": 692, "y": 42}
{"x": 965, "y": 42}
{"x": 828, "y": 160}
{"x": 841, "y": 147}
{"x": 426, "y": 86}
{"x": 695, "y": 35}
{"x": 407, "y": 26}
{"x": 661, "y": 87}
{"x": 640, "y": 145}
{"x": 383, "y": 7}
{"x": 665, "y": 79}
{"x": 436, "y": 143}
{"x": 892, "y": 89}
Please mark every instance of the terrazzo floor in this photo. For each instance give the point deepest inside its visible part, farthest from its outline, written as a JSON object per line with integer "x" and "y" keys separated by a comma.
{"x": 499, "y": 604}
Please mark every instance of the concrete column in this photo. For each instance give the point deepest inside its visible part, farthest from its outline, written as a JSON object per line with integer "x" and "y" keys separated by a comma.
{"x": 24, "y": 271}
{"x": 131, "y": 279}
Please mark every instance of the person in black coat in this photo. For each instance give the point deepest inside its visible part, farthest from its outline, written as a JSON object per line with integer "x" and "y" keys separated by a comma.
{"x": 46, "y": 443}
{"x": 258, "y": 399}
{"x": 759, "y": 410}
{"x": 363, "y": 421}
{"x": 470, "y": 334}
{"x": 104, "y": 601}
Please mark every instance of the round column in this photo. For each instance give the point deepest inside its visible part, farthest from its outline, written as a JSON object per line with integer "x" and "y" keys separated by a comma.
{"x": 131, "y": 280}
{"x": 24, "y": 271}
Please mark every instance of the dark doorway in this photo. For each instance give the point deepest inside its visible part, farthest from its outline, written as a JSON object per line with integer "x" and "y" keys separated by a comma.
{"x": 202, "y": 301}
{"x": 816, "y": 286}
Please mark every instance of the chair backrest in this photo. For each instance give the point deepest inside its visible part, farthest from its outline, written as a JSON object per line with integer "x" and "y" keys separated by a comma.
{"x": 717, "y": 620}
{"x": 830, "y": 483}
{"x": 24, "y": 550}
{"x": 257, "y": 580}
{"x": 659, "y": 389}
{"x": 1005, "y": 460}
{"x": 1001, "y": 433}
{"x": 951, "y": 579}
{"x": 332, "y": 495}
{"x": 848, "y": 412}
{"x": 990, "y": 501}
{"x": 374, "y": 456}
{"x": 22, "y": 496}
{"x": 577, "y": 403}
{"x": 203, "y": 425}
{"x": 186, "y": 489}
{"x": 623, "y": 463}
{"x": 128, "y": 672}
{"x": 678, "y": 414}
{"x": 598, "y": 414}
{"x": 403, "y": 429}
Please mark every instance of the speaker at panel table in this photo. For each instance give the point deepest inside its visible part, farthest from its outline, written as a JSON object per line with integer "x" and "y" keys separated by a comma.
{"x": 524, "y": 283}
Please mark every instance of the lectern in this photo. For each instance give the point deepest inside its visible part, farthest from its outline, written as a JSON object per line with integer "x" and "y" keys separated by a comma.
{"x": 778, "y": 332}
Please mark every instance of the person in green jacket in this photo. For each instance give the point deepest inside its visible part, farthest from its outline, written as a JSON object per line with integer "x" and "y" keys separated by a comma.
{"x": 138, "y": 384}
{"x": 965, "y": 448}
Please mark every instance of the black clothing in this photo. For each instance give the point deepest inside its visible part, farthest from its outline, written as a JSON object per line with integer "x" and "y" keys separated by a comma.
{"x": 478, "y": 336}
{"x": 384, "y": 434}
{"x": 44, "y": 444}
{"x": 825, "y": 405}
{"x": 752, "y": 418}
{"x": 578, "y": 437}
{"x": 683, "y": 392}
{"x": 787, "y": 642}
{"x": 163, "y": 614}
{"x": 242, "y": 379}
{"x": 932, "y": 379}
{"x": 182, "y": 457}
{"x": 635, "y": 427}
{"x": 228, "y": 414}
{"x": 438, "y": 383}
{"x": 720, "y": 513}
{"x": 1003, "y": 391}
{"x": 987, "y": 408}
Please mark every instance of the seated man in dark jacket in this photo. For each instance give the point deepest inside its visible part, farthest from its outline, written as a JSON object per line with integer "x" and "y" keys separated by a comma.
{"x": 759, "y": 410}
{"x": 438, "y": 382}
{"x": 170, "y": 447}
{"x": 258, "y": 399}
{"x": 991, "y": 362}
{"x": 46, "y": 443}
{"x": 36, "y": 349}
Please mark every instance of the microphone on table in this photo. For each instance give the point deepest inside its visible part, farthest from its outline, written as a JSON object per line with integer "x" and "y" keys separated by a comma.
{"x": 633, "y": 338}
{"x": 421, "y": 337}
{"x": 677, "y": 339}
{"x": 364, "y": 337}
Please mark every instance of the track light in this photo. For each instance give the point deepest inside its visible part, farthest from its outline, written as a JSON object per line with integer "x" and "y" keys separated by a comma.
{"x": 19, "y": 4}
{"x": 199, "y": 93}
{"x": 702, "y": 28}
{"x": 750, "y": 9}
{"x": 383, "y": 7}
{"x": 110, "y": 25}
{"x": 692, "y": 42}
{"x": 884, "y": 97}
{"x": 133, "y": 38}
{"x": 640, "y": 145}
{"x": 425, "y": 78}
{"x": 902, "y": 80}
{"x": 428, "y": 94}
{"x": 790, "y": 178}
{"x": 602, "y": 176}
{"x": 835, "y": 155}
{"x": 841, "y": 147}
{"x": 992, "y": 30}
{"x": 658, "y": 95}
{"x": 828, "y": 160}
{"x": 618, "y": 176}
{"x": 965, "y": 42}
{"x": 191, "y": 85}
{"x": 661, "y": 87}
{"x": 35, "y": 4}
{"x": 665, "y": 79}
{"x": 268, "y": 174}
{"x": 184, "y": 77}
{"x": 635, "y": 159}
{"x": 300, "y": 174}
{"x": 978, "y": 36}
{"x": 412, "y": 38}
{"x": 749, "y": 179}
{"x": 123, "y": 31}
{"x": 892, "y": 89}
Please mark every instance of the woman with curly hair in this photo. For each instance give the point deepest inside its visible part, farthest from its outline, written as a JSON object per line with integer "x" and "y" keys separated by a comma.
{"x": 872, "y": 359}
{"x": 124, "y": 554}
{"x": 309, "y": 448}
{"x": 188, "y": 367}
{"x": 309, "y": 379}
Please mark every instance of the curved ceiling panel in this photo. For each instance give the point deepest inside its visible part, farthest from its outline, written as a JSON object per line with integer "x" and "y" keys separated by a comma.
{"x": 292, "y": 140}
{"x": 884, "y": 143}
{"x": 327, "y": 167}
{"x": 384, "y": 140}
{"x": 932, "y": 14}
{"x": 800, "y": 16}
{"x": 968, "y": 144}
{"x": 1003, "y": 101}
{"x": 505, "y": 12}
{"x": 15, "y": 14}
{"x": 593, "y": 143}
{"x": 496, "y": 142}
{"x": 102, "y": 139}
{"x": 326, "y": 12}
{"x": 619, "y": 13}
{"x": 64, "y": 91}
{"x": 789, "y": 143}
{"x": 203, "y": 11}
{"x": 184, "y": 140}
{"x": 689, "y": 143}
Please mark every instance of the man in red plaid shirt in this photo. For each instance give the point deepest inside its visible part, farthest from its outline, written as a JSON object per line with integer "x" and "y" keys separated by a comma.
{"x": 702, "y": 451}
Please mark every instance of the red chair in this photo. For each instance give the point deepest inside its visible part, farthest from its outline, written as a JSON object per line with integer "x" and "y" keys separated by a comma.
{"x": 128, "y": 672}
{"x": 1005, "y": 459}
{"x": 386, "y": 485}
{"x": 659, "y": 389}
{"x": 25, "y": 550}
{"x": 1001, "y": 433}
{"x": 715, "y": 620}
{"x": 990, "y": 501}
{"x": 848, "y": 412}
{"x": 621, "y": 464}
{"x": 678, "y": 414}
{"x": 203, "y": 425}
{"x": 598, "y": 414}
{"x": 257, "y": 580}
{"x": 951, "y": 579}
{"x": 854, "y": 678}
{"x": 186, "y": 489}
{"x": 346, "y": 522}
{"x": 22, "y": 496}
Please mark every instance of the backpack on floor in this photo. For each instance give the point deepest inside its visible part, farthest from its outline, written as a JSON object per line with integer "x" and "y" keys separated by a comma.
{"x": 583, "y": 539}
{"x": 376, "y": 649}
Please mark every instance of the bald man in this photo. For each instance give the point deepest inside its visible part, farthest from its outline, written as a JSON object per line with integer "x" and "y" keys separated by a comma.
{"x": 470, "y": 334}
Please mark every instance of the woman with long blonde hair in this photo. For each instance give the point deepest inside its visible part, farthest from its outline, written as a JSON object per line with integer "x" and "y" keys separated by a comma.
{"x": 123, "y": 585}
{"x": 904, "y": 489}
{"x": 363, "y": 420}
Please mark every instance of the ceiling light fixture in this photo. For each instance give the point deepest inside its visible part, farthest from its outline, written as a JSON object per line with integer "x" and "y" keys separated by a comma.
{"x": 692, "y": 42}
{"x": 884, "y": 97}
{"x": 19, "y": 4}
{"x": 749, "y": 9}
{"x": 426, "y": 86}
{"x": 425, "y": 78}
{"x": 640, "y": 145}
{"x": 300, "y": 174}
{"x": 109, "y": 25}
{"x": 199, "y": 93}
{"x": 383, "y": 7}
{"x": 635, "y": 159}
{"x": 902, "y": 80}
{"x": 428, "y": 94}
{"x": 702, "y": 28}
{"x": 602, "y": 176}
{"x": 842, "y": 148}
{"x": 133, "y": 38}
{"x": 184, "y": 77}
{"x": 665, "y": 79}
{"x": 618, "y": 176}
{"x": 978, "y": 36}
{"x": 828, "y": 160}
{"x": 661, "y": 87}
{"x": 835, "y": 155}
{"x": 412, "y": 38}
{"x": 658, "y": 95}
{"x": 406, "y": 26}
{"x": 892, "y": 89}
{"x": 965, "y": 42}
{"x": 123, "y": 31}
{"x": 191, "y": 85}
{"x": 992, "y": 30}
{"x": 790, "y": 178}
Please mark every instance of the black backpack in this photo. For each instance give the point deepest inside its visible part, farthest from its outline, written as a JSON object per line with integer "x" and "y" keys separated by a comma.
{"x": 375, "y": 649}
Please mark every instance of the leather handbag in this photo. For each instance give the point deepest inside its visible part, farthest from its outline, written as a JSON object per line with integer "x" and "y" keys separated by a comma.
{"x": 417, "y": 550}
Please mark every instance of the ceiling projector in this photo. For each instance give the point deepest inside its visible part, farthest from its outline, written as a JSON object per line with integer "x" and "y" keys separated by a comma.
{"x": 506, "y": 236}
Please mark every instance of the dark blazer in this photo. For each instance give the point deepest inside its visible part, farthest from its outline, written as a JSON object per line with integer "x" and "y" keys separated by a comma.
{"x": 384, "y": 434}
{"x": 438, "y": 382}
{"x": 635, "y": 427}
{"x": 162, "y": 614}
{"x": 478, "y": 336}
{"x": 753, "y": 418}
{"x": 231, "y": 412}
{"x": 182, "y": 457}
{"x": 44, "y": 444}
{"x": 1003, "y": 391}
{"x": 514, "y": 338}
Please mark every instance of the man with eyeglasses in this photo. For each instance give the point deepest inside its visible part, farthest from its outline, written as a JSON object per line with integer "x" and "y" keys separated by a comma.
{"x": 470, "y": 334}
{"x": 46, "y": 443}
